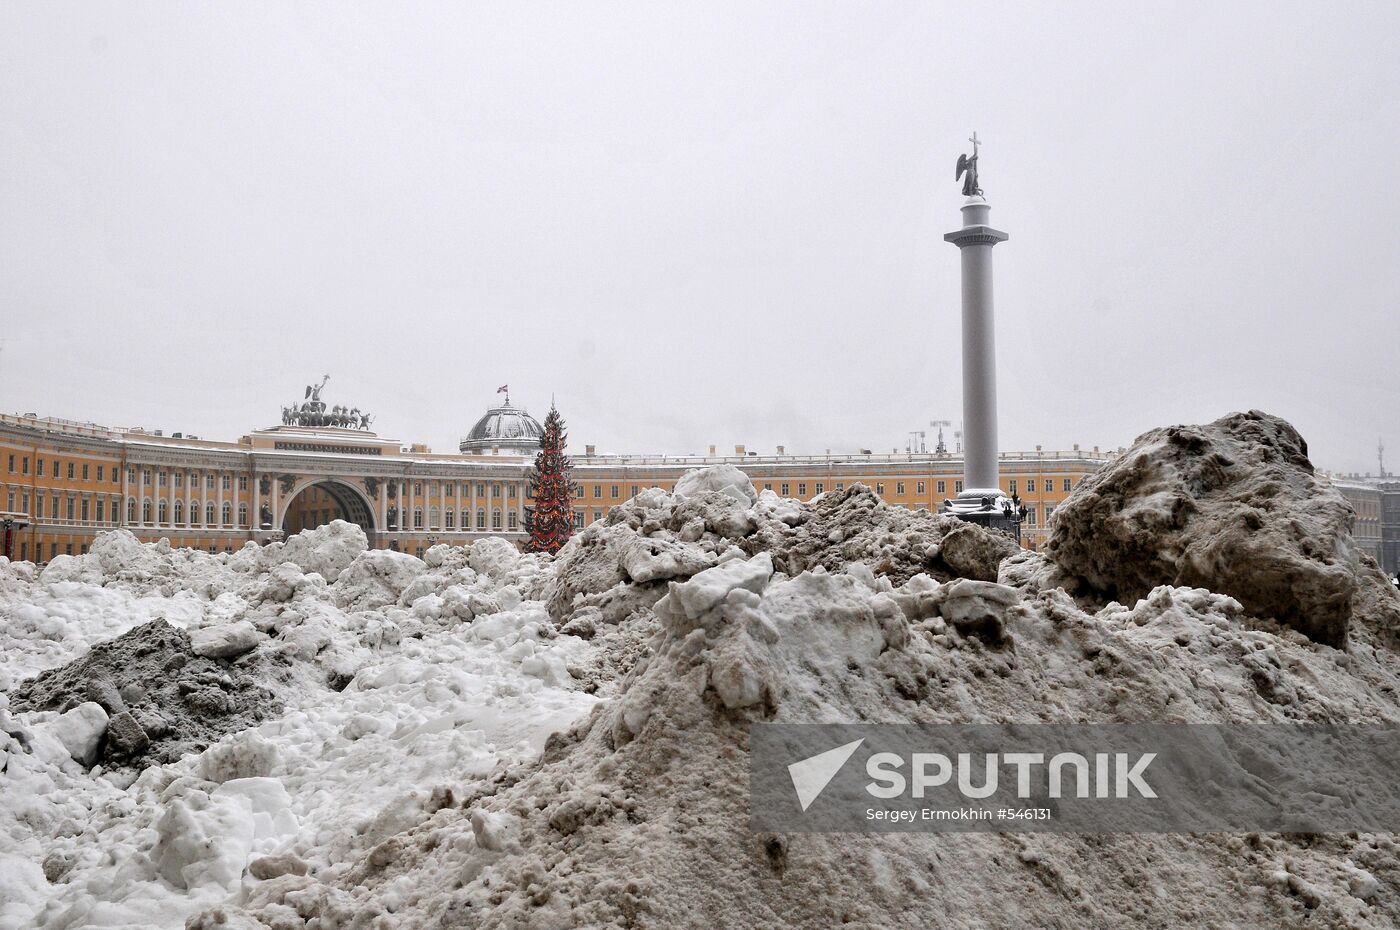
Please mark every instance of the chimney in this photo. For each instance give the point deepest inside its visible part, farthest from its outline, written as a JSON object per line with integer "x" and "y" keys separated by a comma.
{"x": 588, "y": 451}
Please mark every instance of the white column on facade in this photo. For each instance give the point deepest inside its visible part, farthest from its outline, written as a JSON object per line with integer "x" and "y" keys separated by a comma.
{"x": 383, "y": 504}
{"x": 975, "y": 241}
{"x": 219, "y": 503}
{"x": 256, "y": 516}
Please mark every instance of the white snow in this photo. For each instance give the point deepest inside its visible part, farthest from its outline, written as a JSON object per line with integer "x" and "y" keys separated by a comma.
{"x": 438, "y": 691}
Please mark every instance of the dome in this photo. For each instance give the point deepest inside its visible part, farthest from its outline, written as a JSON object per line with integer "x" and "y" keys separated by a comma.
{"x": 508, "y": 428}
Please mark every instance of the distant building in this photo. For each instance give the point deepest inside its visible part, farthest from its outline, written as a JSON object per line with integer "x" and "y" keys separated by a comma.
{"x": 1377, "y": 504}
{"x": 72, "y": 480}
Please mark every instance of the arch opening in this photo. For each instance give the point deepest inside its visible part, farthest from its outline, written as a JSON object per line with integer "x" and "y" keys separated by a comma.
{"x": 323, "y": 501}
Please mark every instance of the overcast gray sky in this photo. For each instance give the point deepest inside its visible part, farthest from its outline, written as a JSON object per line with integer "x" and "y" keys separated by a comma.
{"x": 704, "y": 222}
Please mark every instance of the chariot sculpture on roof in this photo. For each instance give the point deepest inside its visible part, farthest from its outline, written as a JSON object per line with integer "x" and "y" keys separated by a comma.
{"x": 312, "y": 412}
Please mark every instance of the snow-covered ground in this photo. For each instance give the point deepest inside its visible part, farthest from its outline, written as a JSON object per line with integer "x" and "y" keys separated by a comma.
{"x": 467, "y": 676}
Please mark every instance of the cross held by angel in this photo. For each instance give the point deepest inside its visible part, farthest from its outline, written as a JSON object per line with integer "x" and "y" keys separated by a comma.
{"x": 967, "y": 170}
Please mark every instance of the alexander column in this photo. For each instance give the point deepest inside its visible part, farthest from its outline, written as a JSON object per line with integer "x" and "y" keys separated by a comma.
{"x": 981, "y": 500}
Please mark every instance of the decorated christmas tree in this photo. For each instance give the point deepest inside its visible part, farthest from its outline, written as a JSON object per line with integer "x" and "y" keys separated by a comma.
{"x": 550, "y": 521}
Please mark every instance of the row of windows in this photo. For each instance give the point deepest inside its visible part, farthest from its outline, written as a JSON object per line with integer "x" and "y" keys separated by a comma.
{"x": 448, "y": 489}
{"x": 213, "y": 514}
{"x": 62, "y": 507}
{"x": 1066, "y": 485}
{"x": 74, "y": 469}
{"x": 614, "y": 491}
{"x": 511, "y": 519}
{"x": 162, "y": 478}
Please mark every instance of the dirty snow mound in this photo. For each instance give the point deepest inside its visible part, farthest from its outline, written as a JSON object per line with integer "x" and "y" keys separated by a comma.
{"x": 1233, "y": 506}
{"x": 162, "y": 696}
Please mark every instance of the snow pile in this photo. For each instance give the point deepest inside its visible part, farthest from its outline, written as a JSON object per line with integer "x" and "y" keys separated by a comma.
{"x": 1233, "y": 506}
{"x": 482, "y": 738}
{"x": 176, "y": 724}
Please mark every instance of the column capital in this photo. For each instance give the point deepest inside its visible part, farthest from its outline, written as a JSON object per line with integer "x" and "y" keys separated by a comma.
{"x": 975, "y": 235}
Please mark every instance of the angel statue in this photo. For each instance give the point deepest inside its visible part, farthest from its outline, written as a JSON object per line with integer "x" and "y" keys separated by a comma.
{"x": 967, "y": 165}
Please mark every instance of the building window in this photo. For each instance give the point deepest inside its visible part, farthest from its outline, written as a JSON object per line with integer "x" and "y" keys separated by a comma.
{"x": 957, "y": 486}
{"x": 210, "y": 516}
{"x": 1030, "y": 485}
{"x": 451, "y": 517}
{"x": 115, "y": 479}
{"x": 131, "y": 510}
{"x": 636, "y": 490}
{"x": 578, "y": 492}
{"x": 101, "y": 510}
{"x": 68, "y": 511}
{"x": 146, "y": 511}
{"x": 899, "y": 488}
{"x": 785, "y": 490}
{"x": 24, "y": 465}
{"x": 598, "y": 491}
{"x": 578, "y": 519}
{"x": 227, "y": 513}
{"x": 1030, "y": 516}
{"x": 85, "y": 471}
{"x": 768, "y": 486}
{"x": 880, "y": 488}
{"x": 802, "y": 489}
{"x": 417, "y": 518}
{"x": 179, "y": 479}
{"x": 194, "y": 513}
{"x": 101, "y": 473}
{"x": 919, "y": 489}
{"x": 1067, "y": 486}
{"x": 71, "y": 471}
{"x": 179, "y": 512}
{"x": 242, "y": 482}
{"x": 145, "y": 477}
{"x": 39, "y": 467}
{"x": 1049, "y": 512}
{"x": 227, "y": 484}
{"x": 481, "y": 519}
{"x": 160, "y": 479}
{"x": 840, "y": 485}
{"x": 161, "y": 512}
{"x": 12, "y": 464}
{"x": 942, "y": 488}
{"x": 616, "y": 492}
{"x": 510, "y": 520}
{"x": 495, "y": 519}
{"x": 821, "y": 488}
{"x": 1011, "y": 486}
{"x": 84, "y": 510}
{"x": 242, "y": 514}
{"x": 417, "y": 489}
{"x": 449, "y": 489}
{"x": 433, "y": 518}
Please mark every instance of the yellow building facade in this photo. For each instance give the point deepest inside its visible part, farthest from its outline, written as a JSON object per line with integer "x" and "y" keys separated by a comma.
{"x": 63, "y": 482}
